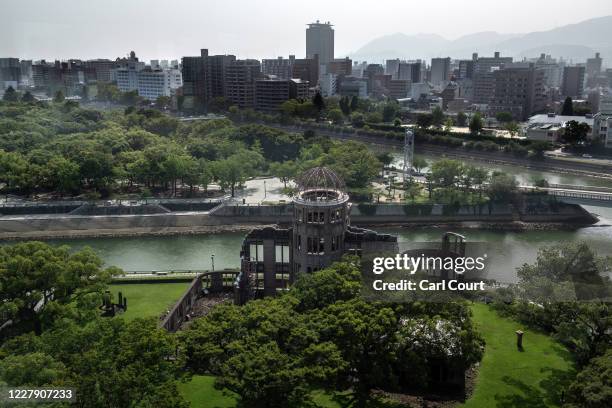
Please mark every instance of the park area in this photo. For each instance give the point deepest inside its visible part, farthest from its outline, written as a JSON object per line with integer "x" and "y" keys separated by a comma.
{"x": 511, "y": 378}
{"x": 149, "y": 299}
{"x": 506, "y": 377}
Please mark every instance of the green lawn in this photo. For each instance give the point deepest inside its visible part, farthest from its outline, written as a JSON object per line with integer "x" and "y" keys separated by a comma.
{"x": 201, "y": 393}
{"x": 512, "y": 378}
{"x": 149, "y": 299}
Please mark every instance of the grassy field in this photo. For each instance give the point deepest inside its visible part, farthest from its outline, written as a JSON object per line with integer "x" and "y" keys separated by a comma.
{"x": 512, "y": 378}
{"x": 149, "y": 299}
{"x": 201, "y": 393}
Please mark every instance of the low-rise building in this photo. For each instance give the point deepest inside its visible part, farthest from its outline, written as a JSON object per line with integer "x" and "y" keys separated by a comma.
{"x": 550, "y": 127}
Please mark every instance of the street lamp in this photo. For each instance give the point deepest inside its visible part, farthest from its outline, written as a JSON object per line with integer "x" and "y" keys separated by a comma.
{"x": 265, "y": 191}
{"x": 212, "y": 259}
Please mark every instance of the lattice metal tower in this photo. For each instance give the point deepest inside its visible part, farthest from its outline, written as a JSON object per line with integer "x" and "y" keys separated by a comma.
{"x": 408, "y": 154}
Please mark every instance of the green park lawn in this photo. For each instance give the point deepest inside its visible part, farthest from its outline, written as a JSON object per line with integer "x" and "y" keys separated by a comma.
{"x": 512, "y": 378}
{"x": 507, "y": 377}
{"x": 148, "y": 299}
{"x": 201, "y": 393}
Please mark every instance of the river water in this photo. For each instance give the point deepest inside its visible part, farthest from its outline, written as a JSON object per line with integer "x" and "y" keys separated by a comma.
{"x": 506, "y": 250}
{"x": 523, "y": 175}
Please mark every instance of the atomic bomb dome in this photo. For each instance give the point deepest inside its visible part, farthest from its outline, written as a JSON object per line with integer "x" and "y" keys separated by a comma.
{"x": 320, "y": 185}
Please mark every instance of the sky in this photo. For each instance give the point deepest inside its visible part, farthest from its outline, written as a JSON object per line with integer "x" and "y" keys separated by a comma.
{"x": 169, "y": 29}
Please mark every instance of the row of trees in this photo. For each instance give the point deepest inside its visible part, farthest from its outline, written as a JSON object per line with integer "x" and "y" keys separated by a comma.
{"x": 452, "y": 181}
{"x": 67, "y": 150}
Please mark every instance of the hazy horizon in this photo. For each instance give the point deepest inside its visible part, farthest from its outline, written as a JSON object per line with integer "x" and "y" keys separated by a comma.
{"x": 61, "y": 29}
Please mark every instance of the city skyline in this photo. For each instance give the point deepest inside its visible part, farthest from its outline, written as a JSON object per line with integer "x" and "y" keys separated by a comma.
{"x": 39, "y": 29}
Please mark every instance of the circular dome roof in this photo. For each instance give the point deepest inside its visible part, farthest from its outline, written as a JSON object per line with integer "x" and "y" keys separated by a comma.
{"x": 319, "y": 186}
{"x": 320, "y": 178}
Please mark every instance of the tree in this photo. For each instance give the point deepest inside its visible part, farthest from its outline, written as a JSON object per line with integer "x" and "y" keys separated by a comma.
{"x": 318, "y": 102}
{"x": 504, "y": 117}
{"x": 502, "y": 187}
{"x": 59, "y": 97}
{"x": 419, "y": 163}
{"x": 110, "y": 362}
{"x": 163, "y": 101}
{"x": 354, "y": 162}
{"x": 230, "y": 173}
{"x": 424, "y": 120}
{"x": 345, "y": 105}
{"x": 385, "y": 158}
{"x": 284, "y": 171}
{"x": 62, "y": 175}
{"x": 336, "y": 116}
{"x": 540, "y": 147}
{"x": 568, "y": 107}
{"x": 446, "y": 173}
{"x": 130, "y": 98}
{"x": 575, "y": 133}
{"x": 10, "y": 95}
{"x": 354, "y": 103}
{"x": 40, "y": 283}
{"x": 437, "y": 117}
{"x": 476, "y": 124}
{"x": 28, "y": 97}
{"x": 592, "y": 387}
{"x": 513, "y": 128}
{"x": 390, "y": 110}
{"x": 448, "y": 125}
{"x": 461, "y": 119}
{"x": 374, "y": 117}
{"x": 357, "y": 119}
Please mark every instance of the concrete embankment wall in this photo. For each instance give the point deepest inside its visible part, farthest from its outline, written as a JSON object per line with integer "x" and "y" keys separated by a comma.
{"x": 243, "y": 218}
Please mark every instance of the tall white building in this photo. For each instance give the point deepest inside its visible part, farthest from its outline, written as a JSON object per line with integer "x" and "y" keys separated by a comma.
{"x": 328, "y": 84}
{"x": 602, "y": 122}
{"x": 320, "y": 41}
{"x": 150, "y": 83}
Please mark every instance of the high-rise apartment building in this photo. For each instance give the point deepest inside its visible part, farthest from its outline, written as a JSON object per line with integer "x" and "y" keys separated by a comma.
{"x": 593, "y": 66}
{"x": 573, "y": 81}
{"x": 320, "y": 41}
{"x": 519, "y": 89}
{"x": 340, "y": 67}
{"x": 102, "y": 69}
{"x": 483, "y": 80}
{"x": 410, "y": 71}
{"x": 203, "y": 79}
{"x": 10, "y": 73}
{"x": 240, "y": 77}
{"x": 440, "y": 71}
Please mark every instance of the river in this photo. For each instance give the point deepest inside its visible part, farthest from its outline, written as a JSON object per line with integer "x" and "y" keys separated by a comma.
{"x": 506, "y": 250}
{"x": 523, "y": 175}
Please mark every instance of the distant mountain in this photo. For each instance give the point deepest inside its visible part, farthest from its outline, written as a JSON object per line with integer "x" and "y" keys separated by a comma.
{"x": 575, "y": 42}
